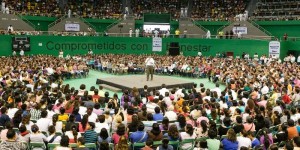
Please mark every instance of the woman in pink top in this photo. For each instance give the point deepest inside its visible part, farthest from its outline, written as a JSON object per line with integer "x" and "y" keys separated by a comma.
{"x": 83, "y": 124}
{"x": 121, "y": 131}
{"x": 249, "y": 125}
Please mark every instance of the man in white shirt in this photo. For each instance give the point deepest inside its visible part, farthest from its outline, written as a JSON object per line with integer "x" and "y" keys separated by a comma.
{"x": 92, "y": 116}
{"x": 156, "y": 33}
{"x": 22, "y": 52}
{"x": 151, "y": 105}
{"x": 265, "y": 89}
{"x": 170, "y": 114}
{"x": 101, "y": 124}
{"x": 10, "y": 28}
{"x": 7, "y": 10}
{"x": 163, "y": 90}
{"x": 243, "y": 140}
{"x": 130, "y": 32}
{"x": 11, "y": 111}
{"x": 43, "y": 122}
{"x": 217, "y": 89}
{"x": 150, "y": 63}
{"x": 137, "y": 32}
{"x": 208, "y": 34}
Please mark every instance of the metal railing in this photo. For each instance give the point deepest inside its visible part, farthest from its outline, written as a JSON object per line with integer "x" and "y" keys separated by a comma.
{"x": 27, "y": 21}
{"x": 224, "y": 26}
{"x": 198, "y": 25}
{"x": 89, "y": 24}
{"x": 260, "y": 28}
{"x": 114, "y": 23}
{"x": 57, "y": 21}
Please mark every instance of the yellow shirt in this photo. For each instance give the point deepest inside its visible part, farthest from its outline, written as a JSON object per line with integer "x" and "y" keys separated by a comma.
{"x": 63, "y": 117}
{"x": 177, "y": 32}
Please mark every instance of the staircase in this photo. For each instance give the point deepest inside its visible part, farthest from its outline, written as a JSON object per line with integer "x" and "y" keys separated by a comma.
{"x": 16, "y": 21}
{"x": 121, "y": 27}
{"x": 254, "y": 31}
{"x": 194, "y": 30}
{"x": 60, "y": 24}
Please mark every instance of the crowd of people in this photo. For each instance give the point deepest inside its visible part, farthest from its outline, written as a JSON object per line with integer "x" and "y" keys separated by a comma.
{"x": 277, "y": 10}
{"x": 257, "y": 109}
{"x": 106, "y": 9}
{"x": 217, "y": 10}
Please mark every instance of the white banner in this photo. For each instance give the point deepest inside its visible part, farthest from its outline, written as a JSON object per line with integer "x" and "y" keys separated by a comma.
{"x": 274, "y": 48}
{"x": 156, "y": 44}
{"x": 243, "y": 30}
{"x": 72, "y": 27}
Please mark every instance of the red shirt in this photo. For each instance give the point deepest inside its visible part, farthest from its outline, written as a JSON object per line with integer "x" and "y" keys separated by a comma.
{"x": 286, "y": 99}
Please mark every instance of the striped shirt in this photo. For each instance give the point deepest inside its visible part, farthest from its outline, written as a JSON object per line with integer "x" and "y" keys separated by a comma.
{"x": 90, "y": 136}
{"x": 35, "y": 114}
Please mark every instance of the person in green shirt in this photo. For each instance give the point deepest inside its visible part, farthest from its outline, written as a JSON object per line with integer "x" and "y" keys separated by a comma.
{"x": 212, "y": 142}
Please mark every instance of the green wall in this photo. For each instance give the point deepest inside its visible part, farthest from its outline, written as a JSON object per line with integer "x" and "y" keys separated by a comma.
{"x": 41, "y": 23}
{"x": 279, "y": 28}
{"x": 212, "y": 26}
{"x": 119, "y": 45}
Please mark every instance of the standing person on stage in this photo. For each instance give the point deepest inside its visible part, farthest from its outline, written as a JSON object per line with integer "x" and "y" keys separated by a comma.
{"x": 130, "y": 32}
{"x": 149, "y": 67}
{"x": 14, "y": 53}
{"x": 22, "y": 52}
{"x": 90, "y": 52}
{"x": 61, "y": 54}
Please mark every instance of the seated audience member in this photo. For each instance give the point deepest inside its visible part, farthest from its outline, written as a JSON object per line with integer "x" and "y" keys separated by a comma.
{"x": 4, "y": 117}
{"x": 73, "y": 135}
{"x": 103, "y": 136}
{"x": 53, "y": 138}
{"x": 24, "y": 134}
{"x": 64, "y": 144}
{"x": 122, "y": 143}
{"x": 212, "y": 142}
{"x": 173, "y": 133}
{"x": 121, "y": 131}
{"x": 165, "y": 145}
{"x": 158, "y": 115}
{"x": 223, "y": 129}
{"x": 244, "y": 140}
{"x": 43, "y": 122}
{"x": 80, "y": 144}
{"x": 140, "y": 135}
{"x": 155, "y": 134}
{"x": 62, "y": 116}
{"x": 11, "y": 143}
{"x": 148, "y": 146}
{"x": 101, "y": 124}
{"x": 230, "y": 142}
{"x": 58, "y": 124}
{"x": 90, "y": 135}
{"x": 188, "y": 134}
{"x": 8, "y": 126}
{"x": 36, "y": 135}
{"x": 254, "y": 140}
{"x": 70, "y": 123}
{"x": 292, "y": 130}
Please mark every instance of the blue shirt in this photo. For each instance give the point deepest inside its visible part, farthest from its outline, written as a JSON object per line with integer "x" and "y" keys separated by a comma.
{"x": 229, "y": 145}
{"x": 158, "y": 116}
{"x": 90, "y": 136}
{"x": 138, "y": 136}
{"x": 255, "y": 142}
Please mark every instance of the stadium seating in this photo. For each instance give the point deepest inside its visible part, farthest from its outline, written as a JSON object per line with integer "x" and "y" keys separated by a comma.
{"x": 277, "y": 10}
{"x": 217, "y": 9}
